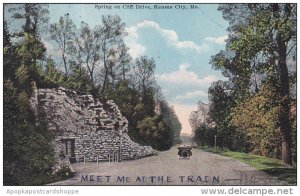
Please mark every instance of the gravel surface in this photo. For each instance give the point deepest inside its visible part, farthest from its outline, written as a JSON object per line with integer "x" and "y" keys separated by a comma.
{"x": 202, "y": 168}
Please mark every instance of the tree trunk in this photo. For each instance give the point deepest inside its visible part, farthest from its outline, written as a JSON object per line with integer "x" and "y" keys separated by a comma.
{"x": 65, "y": 64}
{"x": 105, "y": 81}
{"x": 284, "y": 120}
{"x": 105, "y": 67}
{"x": 92, "y": 78}
{"x": 27, "y": 19}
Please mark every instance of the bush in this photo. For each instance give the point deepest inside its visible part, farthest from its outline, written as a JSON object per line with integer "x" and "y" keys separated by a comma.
{"x": 155, "y": 132}
{"x": 258, "y": 119}
{"x": 27, "y": 151}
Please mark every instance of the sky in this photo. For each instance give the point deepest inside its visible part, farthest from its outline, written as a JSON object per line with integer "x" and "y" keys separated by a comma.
{"x": 180, "y": 39}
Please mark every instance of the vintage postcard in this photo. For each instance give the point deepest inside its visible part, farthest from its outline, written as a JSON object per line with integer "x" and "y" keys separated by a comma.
{"x": 159, "y": 94}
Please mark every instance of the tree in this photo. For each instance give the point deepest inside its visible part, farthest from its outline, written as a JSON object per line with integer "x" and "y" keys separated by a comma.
{"x": 221, "y": 99}
{"x": 265, "y": 33}
{"x": 35, "y": 16}
{"x": 103, "y": 48}
{"x": 204, "y": 135}
{"x": 29, "y": 51}
{"x": 10, "y": 60}
{"x": 170, "y": 118}
{"x": 63, "y": 33}
{"x": 118, "y": 63}
{"x": 113, "y": 51}
{"x": 168, "y": 114}
{"x": 283, "y": 23}
{"x": 88, "y": 44}
{"x": 143, "y": 70}
{"x": 144, "y": 73}
{"x": 79, "y": 80}
{"x": 155, "y": 132}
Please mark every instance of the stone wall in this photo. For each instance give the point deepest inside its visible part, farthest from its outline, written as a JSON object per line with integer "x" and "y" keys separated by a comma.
{"x": 92, "y": 128}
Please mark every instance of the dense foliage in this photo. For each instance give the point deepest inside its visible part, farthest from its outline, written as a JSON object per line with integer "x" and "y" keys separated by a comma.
{"x": 170, "y": 118}
{"x": 92, "y": 60}
{"x": 257, "y": 119}
{"x": 155, "y": 132}
{"x": 253, "y": 110}
{"x": 205, "y": 136}
{"x": 27, "y": 152}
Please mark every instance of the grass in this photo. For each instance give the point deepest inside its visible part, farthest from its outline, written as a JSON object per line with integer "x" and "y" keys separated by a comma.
{"x": 273, "y": 167}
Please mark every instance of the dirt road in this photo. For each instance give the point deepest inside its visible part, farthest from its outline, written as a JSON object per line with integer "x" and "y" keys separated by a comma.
{"x": 167, "y": 169}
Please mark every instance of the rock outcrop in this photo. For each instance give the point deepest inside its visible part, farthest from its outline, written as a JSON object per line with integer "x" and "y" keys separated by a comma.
{"x": 85, "y": 128}
{"x": 201, "y": 116}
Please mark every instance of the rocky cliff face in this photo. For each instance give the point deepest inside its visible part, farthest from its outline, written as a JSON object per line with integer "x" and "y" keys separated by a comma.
{"x": 85, "y": 128}
{"x": 200, "y": 116}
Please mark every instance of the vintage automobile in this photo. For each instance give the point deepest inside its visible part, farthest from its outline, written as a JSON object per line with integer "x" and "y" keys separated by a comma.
{"x": 185, "y": 151}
